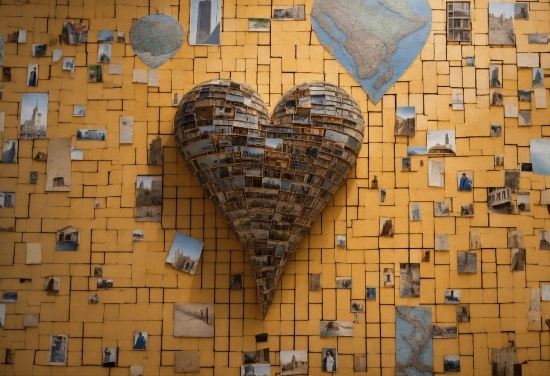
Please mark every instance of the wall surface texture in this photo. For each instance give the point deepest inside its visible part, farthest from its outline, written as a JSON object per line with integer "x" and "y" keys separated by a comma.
{"x": 102, "y": 198}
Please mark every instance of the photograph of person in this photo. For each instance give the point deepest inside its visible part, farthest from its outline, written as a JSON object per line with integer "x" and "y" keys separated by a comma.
{"x": 465, "y": 181}
{"x": 140, "y": 341}
{"x": 329, "y": 360}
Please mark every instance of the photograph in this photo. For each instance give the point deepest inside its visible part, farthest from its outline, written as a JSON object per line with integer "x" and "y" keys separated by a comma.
{"x": 475, "y": 240}
{"x": 452, "y": 296}
{"x": 258, "y": 356}
{"x": 515, "y": 238}
{"x": 462, "y": 313}
{"x": 140, "y": 340}
{"x": 9, "y": 296}
{"x": 457, "y": 99}
{"x": 282, "y": 14}
{"x": 75, "y": 33}
{"x": 496, "y": 130}
{"x": 67, "y": 239}
{"x": 185, "y": 253}
{"x": 521, "y": 11}
{"x": 496, "y": 98}
{"x": 436, "y": 173}
{"x": 187, "y": 361}
{"x": 95, "y": 73}
{"x": 467, "y": 210}
{"x": 409, "y": 281}
{"x": 524, "y": 95}
{"x": 518, "y": 259}
{"x": 386, "y": 227}
{"x": 68, "y": 63}
{"x": 499, "y": 160}
{"x": 38, "y": 50}
{"x": 415, "y": 212}
{"x": 293, "y": 362}
{"x": 148, "y": 198}
{"x": 370, "y": 293}
{"x": 501, "y": 23}
{"x": 451, "y": 363}
{"x": 545, "y": 197}
{"x": 383, "y": 195}
{"x": 93, "y": 299}
{"x": 336, "y": 329}
{"x": 98, "y": 271}
{"x": 441, "y": 242}
{"x": 511, "y": 179}
{"x": 33, "y": 177}
{"x": 104, "y": 53}
{"x": 526, "y": 167}
{"x": 77, "y": 154}
{"x": 341, "y": 240}
{"x": 544, "y": 237}
{"x": 545, "y": 293}
{"x": 440, "y": 331}
{"x": 105, "y": 283}
{"x": 2, "y": 314}
{"x": 426, "y": 255}
{"x": 105, "y": 36}
{"x": 470, "y": 61}
{"x": 34, "y": 115}
{"x": 388, "y": 277}
{"x": 32, "y": 75}
{"x": 314, "y": 281}
{"x": 51, "y": 284}
{"x": 458, "y": 21}
{"x": 357, "y": 306}
{"x": 441, "y": 142}
{"x": 121, "y": 37}
{"x": 524, "y": 202}
{"x": 91, "y": 134}
{"x": 58, "y": 349}
{"x": 109, "y": 356}
{"x": 495, "y": 76}
{"x": 9, "y": 151}
{"x": 524, "y": 118}
{"x": 417, "y": 150}
{"x": 540, "y": 156}
{"x": 405, "y": 121}
{"x": 137, "y": 235}
{"x": 255, "y": 370}
{"x": 467, "y": 262}
{"x": 330, "y": 360}
{"x": 441, "y": 209}
{"x": 205, "y": 21}
{"x": 259, "y": 24}
{"x": 406, "y": 164}
{"x": 126, "y": 126}
{"x": 538, "y": 78}
{"x": 79, "y": 110}
{"x": 236, "y": 282}
{"x": 193, "y": 320}
{"x": 499, "y": 200}
{"x": 343, "y": 282}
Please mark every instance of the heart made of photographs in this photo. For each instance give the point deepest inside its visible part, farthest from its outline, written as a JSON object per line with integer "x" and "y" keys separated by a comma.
{"x": 269, "y": 177}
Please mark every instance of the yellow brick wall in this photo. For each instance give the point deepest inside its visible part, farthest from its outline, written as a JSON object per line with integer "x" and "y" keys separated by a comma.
{"x": 146, "y": 288}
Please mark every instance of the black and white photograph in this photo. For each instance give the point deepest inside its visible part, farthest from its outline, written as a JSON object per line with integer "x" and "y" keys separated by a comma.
{"x": 458, "y": 21}
{"x": 544, "y": 237}
{"x": 79, "y": 110}
{"x": 386, "y": 227}
{"x": 444, "y": 331}
{"x": 9, "y": 151}
{"x": 441, "y": 142}
{"x": 370, "y": 293}
{"x": 406, "y": 164}
{"x": 98, "y": 271}
{"x": 2, "y": 314}
{"x": 521, "y": 11}
{"x": 409, "y": 281}
{"x": 259, "y": 356}
{"x": 34, "y": 115}
{"x": 526, "y": 167}
{"x": 499, "y": 160}
{"x": 441, "y": 242}
{"x": 415, "y": 212}
{"x": 467, "y": 262}
{"x": 499, "y": 200}
{"x": 205, "y": 21}
{"x": 515, "y": 238}
{"x": 524, "y": 202}
{"x": 330, "y": 360}
{"x": 67, "y": 239}
{"x": 9, "y": 296}
{"x": 93, "y": 299}
{"x": 314, "y": 281}
{"x": 441, "y": 209}
{"x": 511, "y": 179}
{"x": 524, "y": 118}
{"x": 255, "y": 370}
{"x": 140, "y": 341}
{"x": 58, "y": 349}
{"x": 467, "y": 210}
{"x": 336, "y": 329}
{"x": 518, "y": 259}
{"x": 405, "y": 121}
{"x": 32, "y": 74}
{"x": 496, "y": 130}
{"x": 95, "y": 73}
{"x": 236, "y": 281}
{"x": 193, "y": 320}
{"x": 91, "y": 134}
{"x": 39, "y": 50}
{"x": 52, "y": 284}
{"x": 341, "y": 240}
{"x": 496, "y": 98}
{"x": 524, "y": 96}
{"x": 383, "y": 195}
{"x": 293, "y": 362}
{"x": 185, "y": 253}
{"x": 451, "y": 363}
{"x": 137, "y": 235}
{"x": 259, "y": 24}
{"x": 452, "y": 296}
{"x": 148, "y": 198}
{"x": 109, "y": 356}
{"x": 470, "y": 61}
{"x": 105, "y": 283}
{"x": 538, "y": 78}
{"x": 475, "y": 239}
{"x": 436, "y": 173}
{"x": 106, "y": 36}
{"x": 295, "y": 13}
{"x": 343, "y": 282}
{"x": 388, "y": 277}
{"x": 104, "y": 53}
{"x": 357, "y": 306}
{"x": 462, "y": 313}
{"x": 495, "y": 75}
{"x": 501, "y": 24}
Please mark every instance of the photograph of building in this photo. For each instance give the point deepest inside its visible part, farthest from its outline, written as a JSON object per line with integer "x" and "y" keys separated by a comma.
{"x": 185, "y": 253}
{"x": 148, "y": 198}
{"x": 34, "y": 115}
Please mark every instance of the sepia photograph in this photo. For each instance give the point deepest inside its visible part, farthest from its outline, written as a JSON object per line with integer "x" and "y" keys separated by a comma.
{"x": 314, "y": 281}
{"x": 467, "y": 210}
{"x": 496, "y": 98}
{"x": 32, "y": 75}
{"x": 406, "y": 164}
{"x": 452, "y": 296}
{"x": 436, "y": 173}
{"x": 330, "y": 360}
{"x": 451, "y": 363}
{"x": 499, "y": 200}
{"x": 524, "y": 202}
{"x": 336, "y": 329}
{"x": 475, "y": 240}
{"x": 388, "y": 277}
{"x": 67, "y": 239}
{"x": 58, "y": 349}
{"x": 107, "y": 36}
{"x": 193, "y": 320}
{"x": 515, "y": 238}
{"x": 258, "y": 356}
{"x": 440, "y": 331}
{"x": 415, "y": 212}
{"x": 9, "y": 296}
{"x": 293, "y": 362}
{"x": 140, "y": 340}
{"x": 426, "y": 255}
{"x": 34, "y": 115}
{"x": 441, "y": 242}
{"x": 256, "y": 370}
{"x": 205, "y": 21}
{"x": 409, "y": 280}
{"x": 343, "y": 282}
{"x": 521, "y": 11}
{"x": 79, "y": 110}
{"x": 441, "y": 142}
{"x": 370, "y": 293}
{"x": 441, "y": 209}
{"x": 496, "y": 130}
{"x": 95, "y": 73}
{"x": 105, "y": 283}
{"x": 148, "y": 199}
{"x": 495, "y": 76}
{"x": 544, "y": 237}
{"x": 538, "y": 78}
{"x": 501, "y": 23}
{"x": 386, "y": 227}
{"x": 9, "y": 151}
{"x": 259, "y": 24}
{"x": 467, "y": 262}
{"x": 185, "y": 253}
{"x": 518, "y": 259}
{"x": 357, "y": 306}
{"x": 109, "y": 356}
{"x": 524, "y": 96}
{"x": 540, "y": 156}
{"x": 462, "y": 313}
{"x": 405, "y": 121}
{"x": 499, "y": 160}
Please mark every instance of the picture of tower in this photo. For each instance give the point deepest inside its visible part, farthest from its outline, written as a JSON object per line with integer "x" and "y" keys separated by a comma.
{"x": 203, "y": 22}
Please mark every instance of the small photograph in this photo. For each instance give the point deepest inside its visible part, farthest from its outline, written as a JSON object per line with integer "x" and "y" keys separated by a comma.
{"x": 126, "y": 129}
{"x": 140, "y": 340}
{"x": 457, "y": 100}
{"x": 93, "y": 299}
{"x": 441, "y": 209}
{"x": 2, "y": 314}
{"x": 137, "y": 235}
{"x": 330, "y": 362}
{"x": 121, "y": 37}
{"x": 383, "y": 194}
{"x": 370, "y": 293}
{"x": 524, "y": 95}
{"x": 452, "y": 296}
{"x": 104, "y": 53}
{"x": 104, "y": 283}
{"x": 439, "y": 331}
{"x": 524, "y": 118}
{"x": 511, "y": 179}
{"x": 515, "y": 238}
{"x": 524, "y": 202}
{"x": 282, "y": 14}
{"x": 258, "y": 356}
{"x": 148, "y": 198}
{"x": 538, "y": 78}
{"x": 499, "y": 200}
{"x": 406, "y": 164}
{"x": 386, "y": 227}
{"x": 436, "y": 173}
{"x": 109, "y": 356}
{"x": 343, "y": 282}
{"x": 34, "y": 115}
{"x": 526, "y": 167}
{"x": 98, "y": 271}
{"x": 496, "y": 130}
{"x": 336, "y": 329}
{"x": 426, "y": 255}
{"x": 539, "y": 156}
{"x": 521, "y": 11}
{"x": 77, "y": 154}
{"x": 194, "y": 320}
{"x": 293, "y": 362}
{"x": 105, "y": 36}
{"x": 95, "y": 73}
{"x": 545, "y": 197}
{"x": 357, "y": 306}
{"x": 91, "y": 134}
{"x": 201, "y": 31}
{"x": 499, "y": 160}
{"x": 9, "y": 151}
{"x": 451, "y": 364}
{"x": 405, "y": 121}
{"x": 441, "y": 142}
{"x": 537, "y": 38}
{"x": 417, "y": 150}
{"x": 501, "y": 23}
{"x": 544, "y": 237}
{"x": 470, "y": 61}
{"x": 75, "y": 33}
{"x": 32, "y": 75}
{"x": 341, "y": 240}
{"x": 259, "y": 24}
{"x": 33, "y": 177}
{"x": 518, "y": 259}
{"x": 545, "y": 293}
{"x": 51, "y": 284}
{"x": 441, "y": 242}
{"x": 388, "y": 277}
{"x": 467, "y": 262}
{"x": 314, "y": 281}
{"x": 38, "y": 50}
{"x": 496, "y": 98}
{"x": 9, "y": 296}
{"x": 475, "y": 240}
{"x": 462, "y": 313}
{"x": 255, "y": 370}
{"x": 467, "y": 210}
{"x": 415, "y": 212}
{"x": 409, "y": 281}
{"x": 185, "y": 253}
{"x": 68, "y": 239}
{"x": 58, "y": 349}
{"x": 465, "y": 180}
{"x": 79, "y": 110}
{"x": 236, "y": 282}
{"x": 495, "y": 75}
{"x": 68, "y": 63}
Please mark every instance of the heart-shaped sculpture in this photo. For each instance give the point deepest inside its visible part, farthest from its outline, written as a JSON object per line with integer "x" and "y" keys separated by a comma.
{"x": 375, "y": 40}
{"x": 156, "y": 38}
{"x": 269, "y": 178}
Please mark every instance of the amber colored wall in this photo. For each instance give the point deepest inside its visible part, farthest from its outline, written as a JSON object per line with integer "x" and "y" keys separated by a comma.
{"x": 146, "y": 288}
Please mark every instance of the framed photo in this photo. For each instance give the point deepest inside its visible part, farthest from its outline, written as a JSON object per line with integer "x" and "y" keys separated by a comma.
{"x": 58, "y": 349}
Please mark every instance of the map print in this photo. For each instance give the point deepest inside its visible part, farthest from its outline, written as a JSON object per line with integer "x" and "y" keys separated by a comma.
{"x": 156, "y": 38}
{"x": 375, "y": 40}
{"x": 413, "y": 341}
